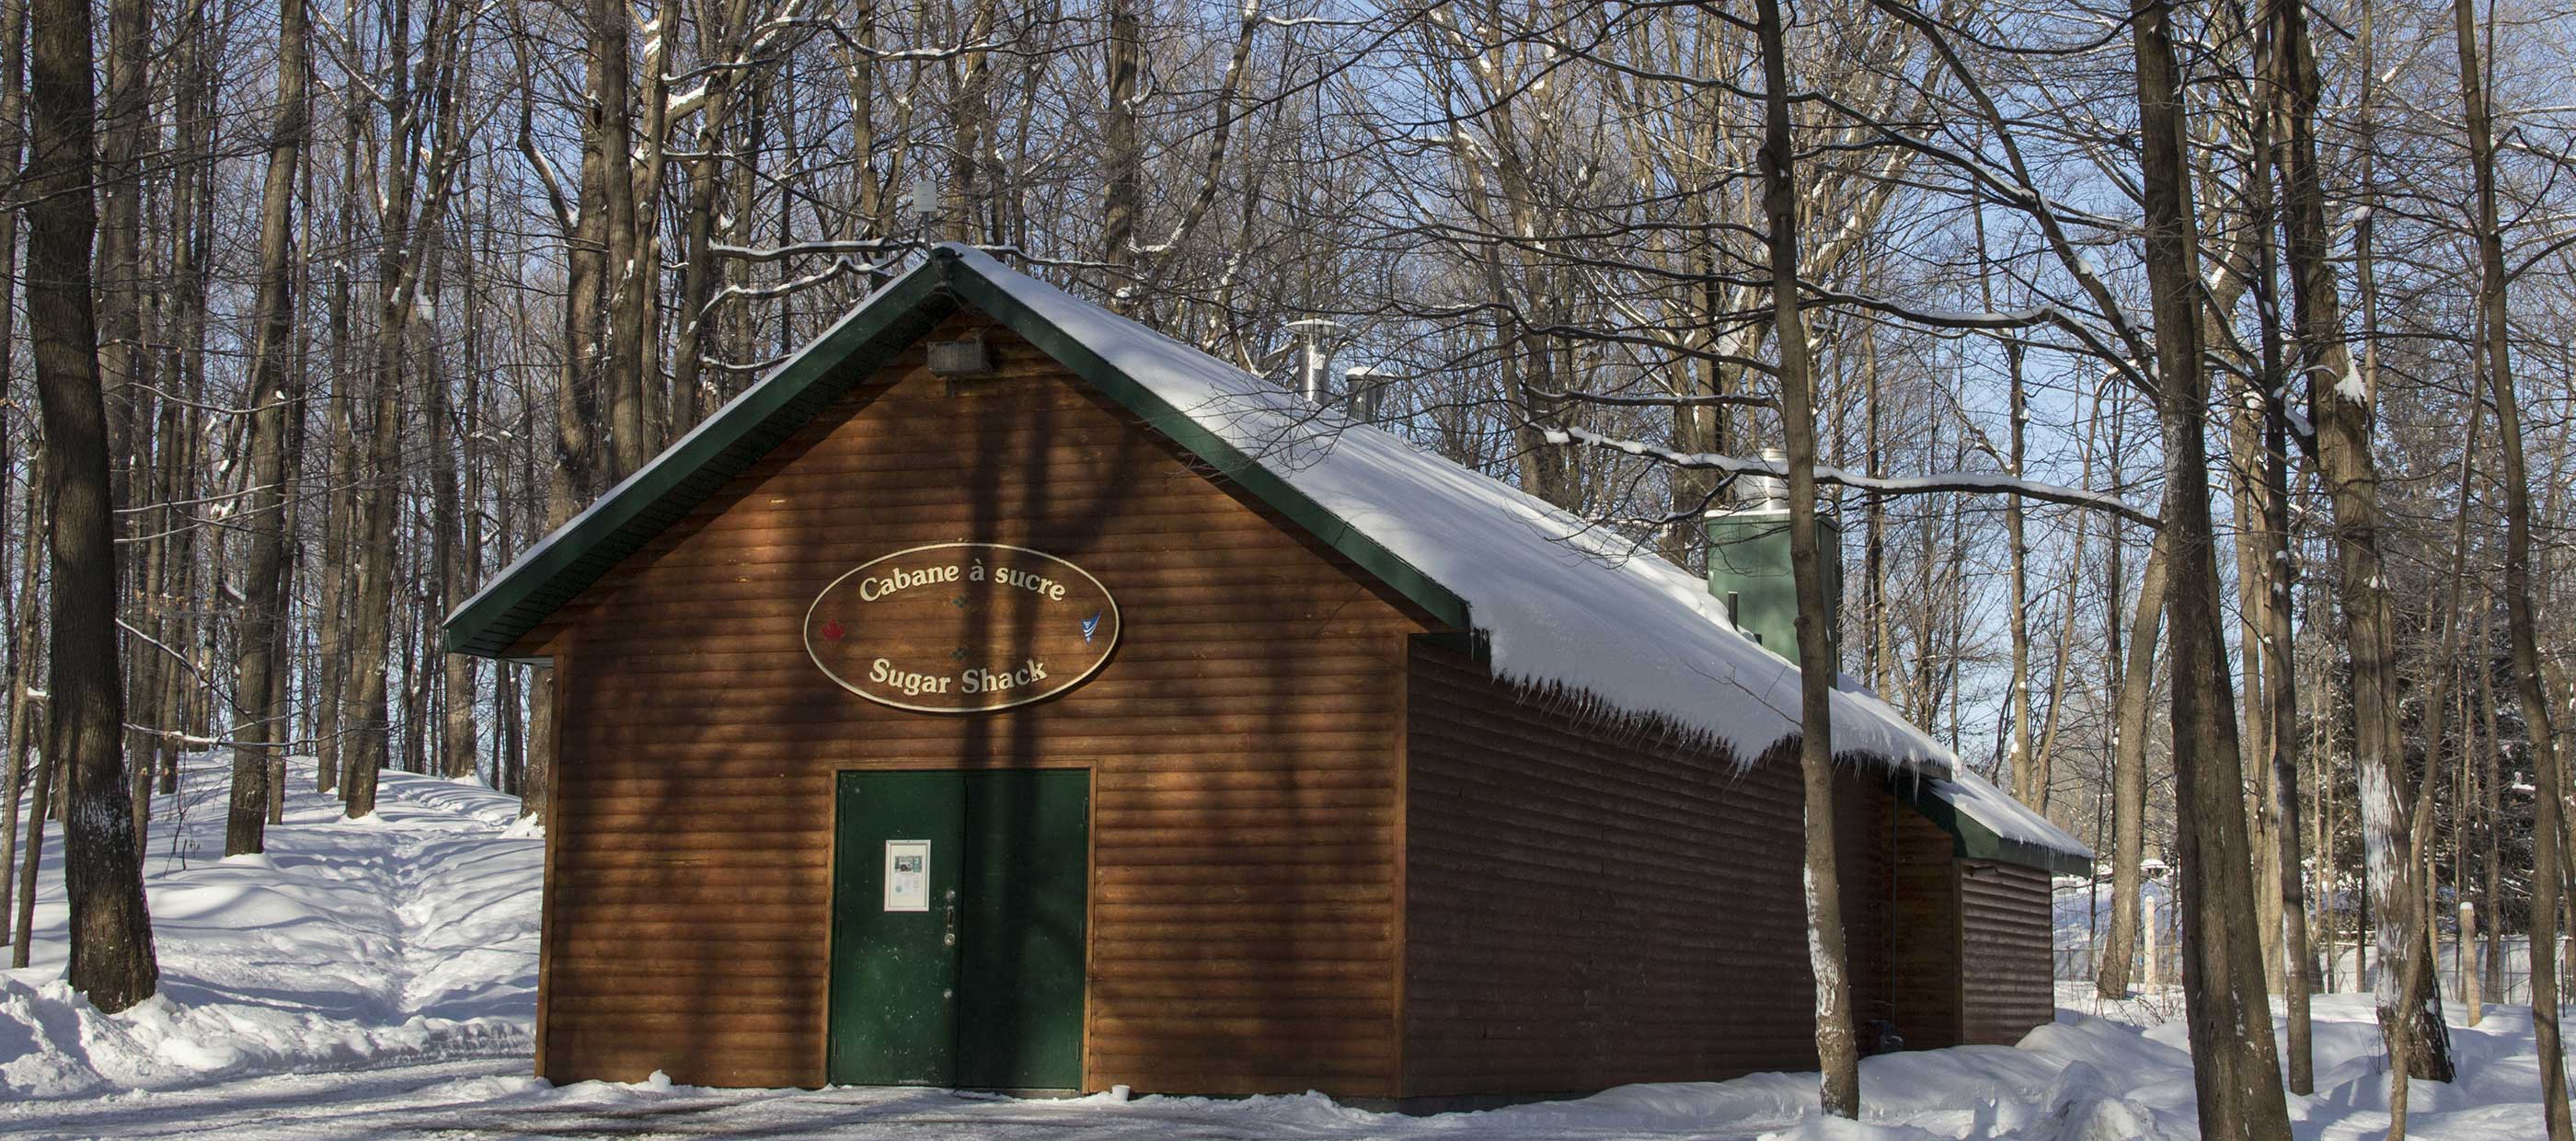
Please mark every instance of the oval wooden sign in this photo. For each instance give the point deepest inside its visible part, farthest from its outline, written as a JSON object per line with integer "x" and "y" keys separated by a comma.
{"x": 962, "y": 628}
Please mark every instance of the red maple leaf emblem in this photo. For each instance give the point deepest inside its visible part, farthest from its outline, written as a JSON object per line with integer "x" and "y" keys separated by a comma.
{"x": 832, "y": 631}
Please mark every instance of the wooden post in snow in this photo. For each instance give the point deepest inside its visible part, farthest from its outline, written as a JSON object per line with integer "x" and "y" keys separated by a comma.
{"x": 2467, "y": 961}
{"x": 2147, "y": 939}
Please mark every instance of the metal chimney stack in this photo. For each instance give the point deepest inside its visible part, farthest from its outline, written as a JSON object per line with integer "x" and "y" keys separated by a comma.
{"x": 1765, "y": 492}
{"x": 1314, "y": 356}
{"x": 1364, "y": 394}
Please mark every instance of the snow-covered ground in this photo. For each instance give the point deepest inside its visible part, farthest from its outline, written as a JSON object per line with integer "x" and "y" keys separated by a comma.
{"x": 411, "y": 934}
{"x": 376, "y": 979}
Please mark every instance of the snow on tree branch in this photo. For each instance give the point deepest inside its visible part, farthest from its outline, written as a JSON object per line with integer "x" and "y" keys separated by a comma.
{"x": 1986, "y": 483}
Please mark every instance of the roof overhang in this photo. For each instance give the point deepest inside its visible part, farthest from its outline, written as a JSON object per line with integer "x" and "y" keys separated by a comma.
{"x": 1965, "y": 812}
{"x": 578, "y": 553}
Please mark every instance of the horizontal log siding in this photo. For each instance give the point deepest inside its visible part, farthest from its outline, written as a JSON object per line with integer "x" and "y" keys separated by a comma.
{"x": 1865, "y": 854}
{"x": 1584, "y": 910}
{"x": 1243, "y": 743}
{"x": 1926, "y": 959}
{"x": 2007, "y": 988}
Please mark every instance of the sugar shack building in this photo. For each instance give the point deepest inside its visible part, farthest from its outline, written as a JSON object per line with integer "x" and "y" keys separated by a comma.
{"x": 999, "y": 694}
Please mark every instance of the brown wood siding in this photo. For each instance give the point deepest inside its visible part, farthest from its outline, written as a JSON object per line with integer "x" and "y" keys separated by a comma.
{"x": 1926, "y": 959}
{"x": 1865, "y": 853}
{"x": 1244, "y": 742}
{"x": 1583, "y": 910}
{"x": 2006, "y": 986}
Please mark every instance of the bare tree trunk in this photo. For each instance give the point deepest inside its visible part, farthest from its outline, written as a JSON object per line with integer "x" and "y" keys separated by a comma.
{"x": 411, "y": 204}
{"x": 2281, "y": 688}
{"x": 453, "y": 757}
{"x": 111, "y": 930}
{"x": 509, "y": 734}
{"x": 967, "y": 112}
{"x": 1123, "y": 153}
{"x": 2030, "y": 779}
{"x": 27, "y": 650}
{"x": 1882, "y": 651}
{"x": 339, "y": 528}
{"x": 122, "y": 124}
{"x": 1837, "y": 1047}
{"x": 274, "y": 389}
{"x": 364, "y": 717}
{"x": 13, "y": 81}
{"x": 2269, "y": 569}
{"x": 2437, "y": 710}
{"x": 2548, "y": 823}
{"x": 2245, "y": 433}
{"x": 419, "y": 668}
{"x": 2341, "y": 406}
{"x": 32, "y": 859}
{"x": 629, "y": 439}
{"x": 574, "y": 476}
{"x": 581, "y": 465}
{"x": 282, "y": 659}
{"x": 178, "y": 708}
{"x": 2491, "y": 811}
{"x": 538, "y": 790}
{"x": 700, "y": 277}
{"x": 461, "y": 536}
{"x": 510, "y": 730}
{"x": 651, "y": 140}
{"x": 2112, "y": 965}
{"x": 698, "y": 283}
{"x": 2236, "y": 1072}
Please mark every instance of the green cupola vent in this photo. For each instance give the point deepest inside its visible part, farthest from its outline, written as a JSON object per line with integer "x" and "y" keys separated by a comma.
{"x": 1748, "y": 564}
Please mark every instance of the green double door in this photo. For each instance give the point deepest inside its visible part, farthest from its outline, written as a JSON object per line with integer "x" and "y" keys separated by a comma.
{"x": 957, "y": 928}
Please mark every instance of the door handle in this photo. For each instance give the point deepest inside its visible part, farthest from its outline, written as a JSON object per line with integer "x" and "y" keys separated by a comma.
{"x": 948, "y": 936}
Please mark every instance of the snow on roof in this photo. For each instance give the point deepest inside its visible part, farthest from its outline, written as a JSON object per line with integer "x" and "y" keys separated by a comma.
{"x": 1565, "y": 605}
{"x": 1978, "y": 799}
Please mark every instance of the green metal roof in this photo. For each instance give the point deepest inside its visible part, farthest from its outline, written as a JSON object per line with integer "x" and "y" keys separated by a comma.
{"x": 1971, "y": 839}
{"x": 578, "y": 553}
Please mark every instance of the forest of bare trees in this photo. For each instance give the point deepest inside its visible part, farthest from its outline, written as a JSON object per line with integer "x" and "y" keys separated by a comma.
{"x": 2191, "y": 379}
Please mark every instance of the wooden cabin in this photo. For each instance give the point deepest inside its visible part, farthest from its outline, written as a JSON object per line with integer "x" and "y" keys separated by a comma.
{"x": 1000, "y": 695}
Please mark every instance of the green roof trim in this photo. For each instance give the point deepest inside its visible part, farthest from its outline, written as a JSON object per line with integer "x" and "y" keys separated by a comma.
{"x": 1972, "y": 840}
{"x": 755, "y": 423}
{"x": 682, "y": 477}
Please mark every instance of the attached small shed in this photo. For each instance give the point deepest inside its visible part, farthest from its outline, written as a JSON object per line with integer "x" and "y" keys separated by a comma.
{"x": 999, "y": 694}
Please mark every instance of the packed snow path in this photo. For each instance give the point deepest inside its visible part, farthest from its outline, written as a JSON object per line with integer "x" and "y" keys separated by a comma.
{"x": 375, "y": 979}
{"x": 408, "y": 934}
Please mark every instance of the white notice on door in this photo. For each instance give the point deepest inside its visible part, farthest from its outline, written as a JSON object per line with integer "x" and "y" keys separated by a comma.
{"x": 907, "y": 875}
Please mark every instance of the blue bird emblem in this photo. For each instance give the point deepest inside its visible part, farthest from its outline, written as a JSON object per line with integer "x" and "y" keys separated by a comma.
{"x": 1090, "y": 626}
